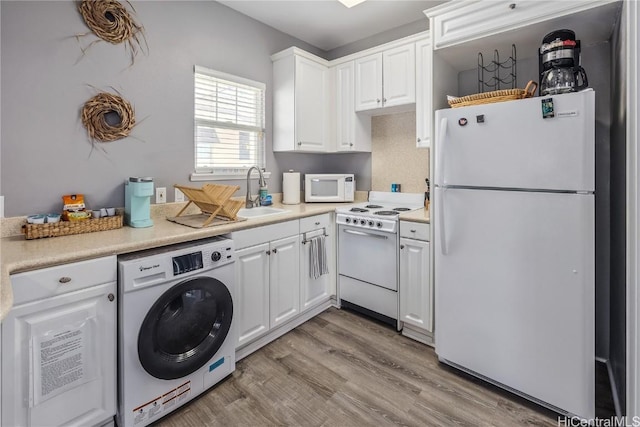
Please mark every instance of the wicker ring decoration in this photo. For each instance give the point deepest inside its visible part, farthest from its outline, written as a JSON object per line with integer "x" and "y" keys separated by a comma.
{"x": 108, "y": 117}
{"x": 111, "y": 21}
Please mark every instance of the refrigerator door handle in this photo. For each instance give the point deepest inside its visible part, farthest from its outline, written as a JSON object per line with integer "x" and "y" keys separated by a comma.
{"x": 440, "y": 151}
{"x": 441, "y": 212}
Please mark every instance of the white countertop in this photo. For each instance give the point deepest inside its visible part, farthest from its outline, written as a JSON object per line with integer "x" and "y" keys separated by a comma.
{"x": 19, "y": 254}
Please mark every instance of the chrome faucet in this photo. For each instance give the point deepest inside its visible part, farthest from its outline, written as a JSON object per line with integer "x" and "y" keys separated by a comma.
{"x": 249, "y": 203}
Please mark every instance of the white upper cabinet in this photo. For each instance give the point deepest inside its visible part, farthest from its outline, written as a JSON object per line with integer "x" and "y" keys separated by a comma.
{"x": 353, "y": 131}
{"x": 398, "y": 75}
{"x": 385, "y": 79}
{"x": 424, "y": 110}
{"x": 461, "y": 21}
{"x": 301, "y": 101}
{"x": 369, "y": 82}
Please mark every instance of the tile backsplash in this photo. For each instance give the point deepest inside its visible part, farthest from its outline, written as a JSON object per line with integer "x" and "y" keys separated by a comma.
{"x": 394, "y": 156}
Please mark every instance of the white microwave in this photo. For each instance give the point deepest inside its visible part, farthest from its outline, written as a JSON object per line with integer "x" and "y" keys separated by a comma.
{"x": 334, "y": 187}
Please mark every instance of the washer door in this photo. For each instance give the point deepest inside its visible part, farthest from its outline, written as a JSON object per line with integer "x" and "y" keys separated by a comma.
{"x": 185, "y": 328}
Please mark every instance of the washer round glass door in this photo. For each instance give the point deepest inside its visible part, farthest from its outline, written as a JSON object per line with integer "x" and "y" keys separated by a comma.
{"x": 185, "y": 328}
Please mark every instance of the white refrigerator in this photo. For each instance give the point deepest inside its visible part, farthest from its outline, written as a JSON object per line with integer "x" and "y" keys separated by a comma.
{"x": 514, "y": 246}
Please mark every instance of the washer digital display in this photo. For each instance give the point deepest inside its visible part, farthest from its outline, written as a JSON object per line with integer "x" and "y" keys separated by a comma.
{"x": 186, "y": 263}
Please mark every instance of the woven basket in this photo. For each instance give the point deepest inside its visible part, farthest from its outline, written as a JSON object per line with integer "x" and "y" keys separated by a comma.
{"x": 495, "y": 96}
{"x": 67, "y": 228}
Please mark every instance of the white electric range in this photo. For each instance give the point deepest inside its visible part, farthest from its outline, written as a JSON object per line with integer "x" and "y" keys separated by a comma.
{"x": 368, "y": 253}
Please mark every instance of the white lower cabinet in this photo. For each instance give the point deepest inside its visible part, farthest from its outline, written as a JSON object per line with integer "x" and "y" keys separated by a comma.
{"x": 274, "y": 292}
{"x": 252, "y": 292}
{"x": 416, "y": 292}
{"x": 59, "y": 346}
{"x": 284, "y": 273}
{"x": 267, "y": 278}
{"x": 314, "y": 291}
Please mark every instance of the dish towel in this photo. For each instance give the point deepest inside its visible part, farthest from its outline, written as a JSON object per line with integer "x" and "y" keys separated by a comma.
{"x": 318, "y": 257}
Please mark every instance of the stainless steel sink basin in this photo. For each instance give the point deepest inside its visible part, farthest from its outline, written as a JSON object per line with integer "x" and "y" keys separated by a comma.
{"x": 260, "y": 211}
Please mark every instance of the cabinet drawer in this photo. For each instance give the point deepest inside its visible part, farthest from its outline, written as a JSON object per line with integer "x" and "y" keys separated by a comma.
{"x": 459, "y": 22}
{"x": 315, "y": 222}
{"x": 414, "y": 230}
{"x": 62, "y": 279}
{"x": 267, "y": 233}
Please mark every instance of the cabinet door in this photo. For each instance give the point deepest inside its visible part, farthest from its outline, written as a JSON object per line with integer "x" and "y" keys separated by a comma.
{"x": 424, "y": 112}
{"x": 353, "y": 131}
{"x": 252, "y": 285}
{"x": 399, "y": 68}
{"x": 59, "y": 359}
{"x": 311, "y": 86}
{"x": 284, "y": 276}
{"x": 415, "y": 291}
{"x": 368, "y": 81}
{"x": 313, "y": 291}
{"x": 345, "y": 106}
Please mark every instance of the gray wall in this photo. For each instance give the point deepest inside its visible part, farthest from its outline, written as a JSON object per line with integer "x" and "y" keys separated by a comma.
{"x": 617, "y": 335}
{"x": 378, "y": 39}
{"x": 45, "y": 81}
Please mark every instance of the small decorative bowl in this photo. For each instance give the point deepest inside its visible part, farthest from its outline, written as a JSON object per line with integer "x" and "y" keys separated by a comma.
{"x": 36, "y": 219}
{"x": 53, "y": 217}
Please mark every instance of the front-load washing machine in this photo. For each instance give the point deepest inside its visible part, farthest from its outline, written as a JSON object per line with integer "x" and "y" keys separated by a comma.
{"x": 176, "y": 334}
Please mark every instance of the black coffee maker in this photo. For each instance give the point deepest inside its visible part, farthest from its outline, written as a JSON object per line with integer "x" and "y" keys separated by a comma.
{"x": 559, "y": 62}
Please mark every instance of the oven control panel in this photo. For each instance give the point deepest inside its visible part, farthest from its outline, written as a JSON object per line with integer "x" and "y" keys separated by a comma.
{"x": 370, "y": 222}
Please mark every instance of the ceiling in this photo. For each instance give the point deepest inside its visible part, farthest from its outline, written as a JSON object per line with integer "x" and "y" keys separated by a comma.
{"x": 327, "y": 24}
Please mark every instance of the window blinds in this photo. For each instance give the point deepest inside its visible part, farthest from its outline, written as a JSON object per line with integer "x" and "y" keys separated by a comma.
{"x": 229, "y": 123}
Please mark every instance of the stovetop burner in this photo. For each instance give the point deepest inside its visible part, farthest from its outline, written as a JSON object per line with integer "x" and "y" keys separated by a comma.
{"x": 387, "y": 213}
{"x": 401, "y": 209}
{"x": 374, "y": 206}
{"x": 358, "y": 210}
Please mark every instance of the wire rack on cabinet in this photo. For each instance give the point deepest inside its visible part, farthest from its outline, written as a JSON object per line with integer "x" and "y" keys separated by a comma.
{"x": 494, "y": 68}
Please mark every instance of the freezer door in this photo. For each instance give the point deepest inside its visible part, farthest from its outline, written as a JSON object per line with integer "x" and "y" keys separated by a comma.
{"x": 510, "y": 144}
{"x": 514, "y": 280}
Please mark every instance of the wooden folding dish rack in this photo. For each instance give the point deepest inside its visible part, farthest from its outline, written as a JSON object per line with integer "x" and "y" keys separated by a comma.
{"x": 213, "y": 200}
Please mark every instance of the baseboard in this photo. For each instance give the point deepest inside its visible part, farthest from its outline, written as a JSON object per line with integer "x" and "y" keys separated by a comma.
{"x": 418, "y": 334}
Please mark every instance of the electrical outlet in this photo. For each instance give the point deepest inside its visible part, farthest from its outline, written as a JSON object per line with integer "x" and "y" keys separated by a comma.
{"x": 161, "y": 195}
{"x": 178, "y": 195}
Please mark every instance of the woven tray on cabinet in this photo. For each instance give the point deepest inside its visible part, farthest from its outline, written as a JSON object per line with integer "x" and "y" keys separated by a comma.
{"x": 495, "y": 96}
{"x": 67, "y": 228}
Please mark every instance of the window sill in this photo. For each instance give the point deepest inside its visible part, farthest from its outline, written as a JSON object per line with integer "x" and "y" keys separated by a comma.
{"x": 195, "y": 176}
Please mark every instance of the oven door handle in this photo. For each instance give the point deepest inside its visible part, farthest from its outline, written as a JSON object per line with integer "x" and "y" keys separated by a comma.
{"x": 362, "y": 233}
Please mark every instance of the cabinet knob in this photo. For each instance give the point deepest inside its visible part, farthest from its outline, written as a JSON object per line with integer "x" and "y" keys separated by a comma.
{"x": 111, "y": 297}
{"x": 401, "y": 246}
{"x": 64, "y": 279}
{"x": 317, "y": 222}
{"x": 418, "y": 139}
{"x": 299, "y": 142}
{"x": 275, "y": 250}
{"x": 378, "y": 101}
{"x": 268, "y": 252}
{"x": 512, "y": 6}
{"x": 413, "y": 231}
{"x": 384, "y": 99}
{"x": 351, "y": 144}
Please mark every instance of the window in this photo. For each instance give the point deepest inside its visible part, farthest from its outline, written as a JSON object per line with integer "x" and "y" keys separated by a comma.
{"x": 229, "y": 125}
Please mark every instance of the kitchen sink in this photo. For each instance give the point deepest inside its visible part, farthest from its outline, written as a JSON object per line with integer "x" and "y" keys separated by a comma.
{"x": 260, "y": 211}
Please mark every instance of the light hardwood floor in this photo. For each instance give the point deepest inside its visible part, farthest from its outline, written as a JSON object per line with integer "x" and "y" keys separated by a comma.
{"x": 341, "y": 369}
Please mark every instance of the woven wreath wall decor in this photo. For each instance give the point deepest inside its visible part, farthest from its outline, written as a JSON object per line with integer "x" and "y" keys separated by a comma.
{"x": 110, "y": 20}
{"x": 108, "y": 117}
